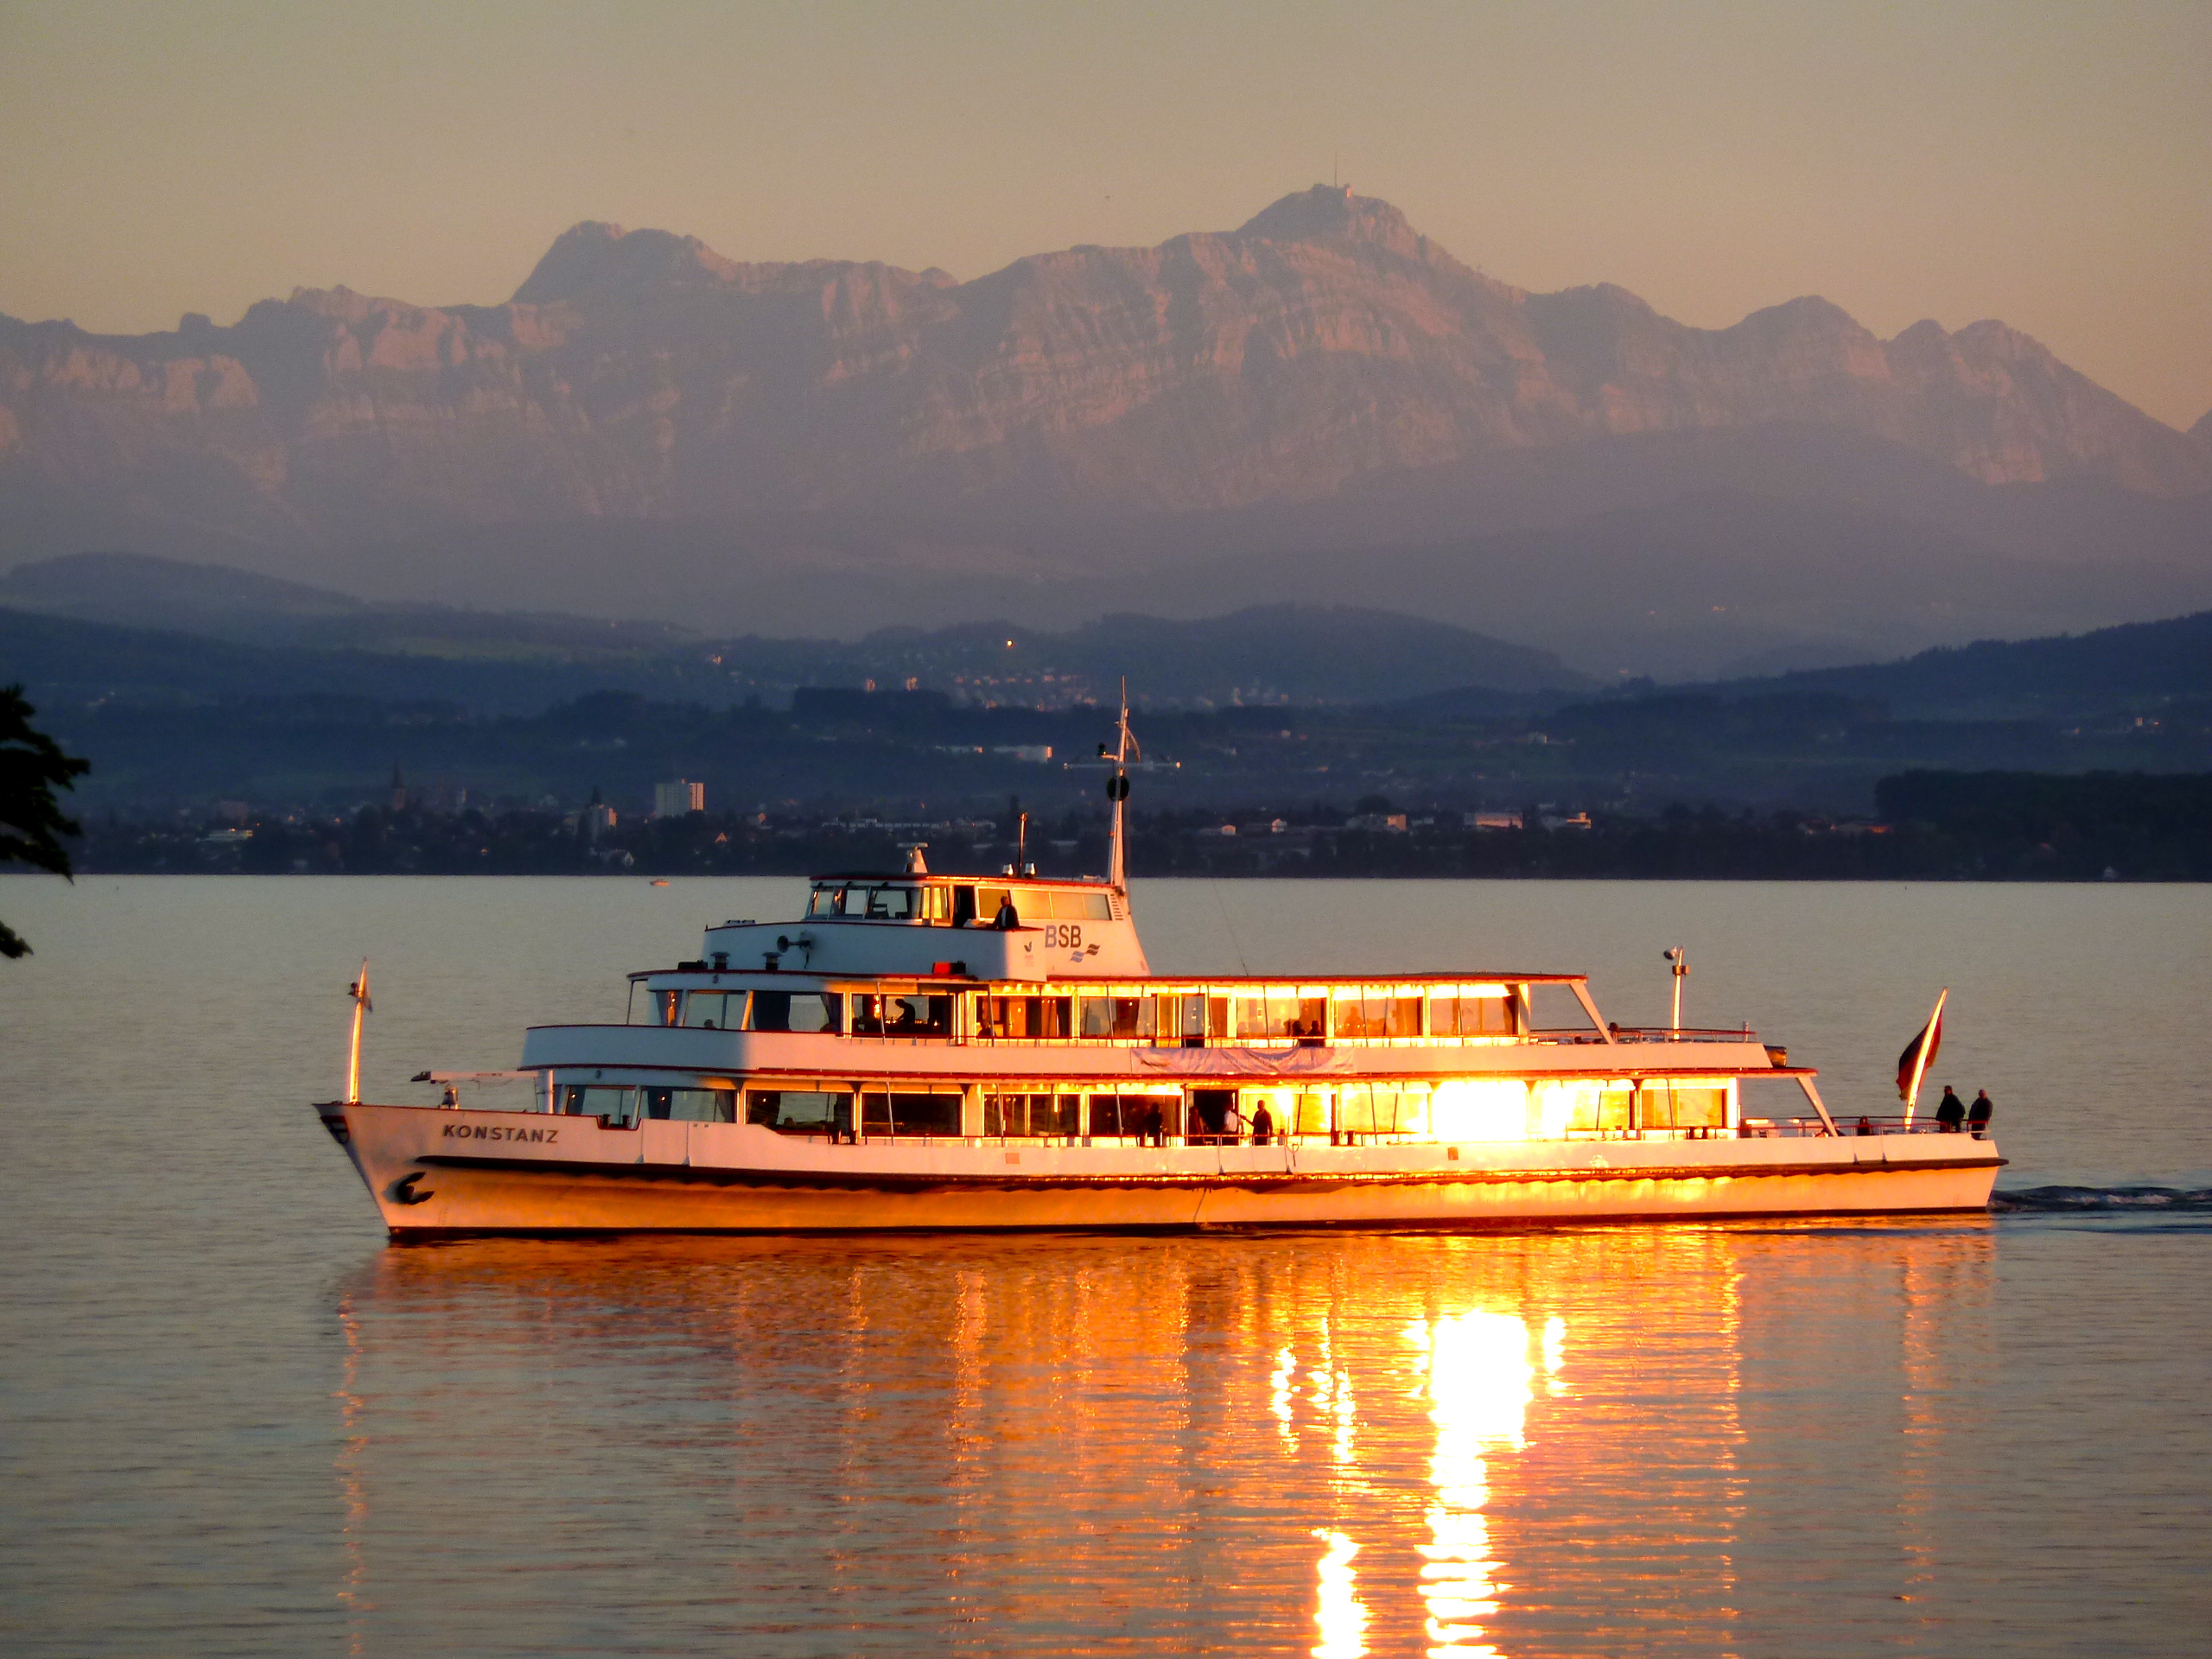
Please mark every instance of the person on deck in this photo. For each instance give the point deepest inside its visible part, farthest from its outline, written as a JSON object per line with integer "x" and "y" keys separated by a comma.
{"x": 1263, "y": 1124}
{"x": 1979, "y": 1113}
{"x": 1950, "y": 1112}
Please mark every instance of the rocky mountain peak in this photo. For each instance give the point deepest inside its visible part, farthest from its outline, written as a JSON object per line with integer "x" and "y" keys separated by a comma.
{"x": 594, "y": 259}
{"x": 1332, "y": 212}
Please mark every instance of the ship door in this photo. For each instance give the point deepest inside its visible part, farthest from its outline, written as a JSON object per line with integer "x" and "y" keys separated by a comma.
{"x": 1210, "y": 1110}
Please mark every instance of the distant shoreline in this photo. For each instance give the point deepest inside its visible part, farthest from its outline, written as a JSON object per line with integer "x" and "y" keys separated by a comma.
{"x": 1988, "y": 827}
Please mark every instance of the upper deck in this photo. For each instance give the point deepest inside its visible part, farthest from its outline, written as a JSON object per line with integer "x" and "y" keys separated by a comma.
{"x": 1003, "y": 927}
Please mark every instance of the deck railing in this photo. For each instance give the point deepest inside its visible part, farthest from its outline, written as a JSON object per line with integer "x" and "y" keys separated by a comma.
{"x": 1756, "y": 1129}
{"x": 1684, "y": 1034}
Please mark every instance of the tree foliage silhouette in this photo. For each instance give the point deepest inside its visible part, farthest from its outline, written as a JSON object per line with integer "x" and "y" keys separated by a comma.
{"x": 32, "y": 771}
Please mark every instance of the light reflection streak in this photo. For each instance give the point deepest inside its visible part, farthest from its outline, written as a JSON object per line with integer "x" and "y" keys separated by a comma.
{"x": 1332, "y": 1399}
{"x": 1279, "y": 1385}
{"x": 1339, "y": 1613}
{"x": 1479, "y": 1383}
{"x": 353, "y": 1593}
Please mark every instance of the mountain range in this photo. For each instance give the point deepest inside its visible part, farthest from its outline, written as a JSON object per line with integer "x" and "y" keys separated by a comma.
{"x": 1322, "y": 405}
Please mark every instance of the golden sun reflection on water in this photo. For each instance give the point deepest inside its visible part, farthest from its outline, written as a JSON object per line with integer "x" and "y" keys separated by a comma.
{"x": 1339, "y": 1613}
{"x": 1344, "y": 1445}
{"x": 1475, "y": 1371}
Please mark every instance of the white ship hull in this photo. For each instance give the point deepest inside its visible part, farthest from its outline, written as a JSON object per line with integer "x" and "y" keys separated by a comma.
{"x": 438, "y": 1172}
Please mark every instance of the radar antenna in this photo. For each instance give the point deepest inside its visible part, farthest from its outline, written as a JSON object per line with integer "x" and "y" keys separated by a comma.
{"x": 1117, "y": 791}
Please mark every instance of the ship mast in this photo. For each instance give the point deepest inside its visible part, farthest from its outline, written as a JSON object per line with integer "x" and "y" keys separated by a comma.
{"x": 1117, "y": 791}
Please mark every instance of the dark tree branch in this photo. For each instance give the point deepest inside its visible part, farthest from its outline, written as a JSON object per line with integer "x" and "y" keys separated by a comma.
{"x": 33, "y": 771}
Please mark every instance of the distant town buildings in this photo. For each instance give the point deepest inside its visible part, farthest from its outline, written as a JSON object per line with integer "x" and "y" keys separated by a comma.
{"x": 673, "y": 799}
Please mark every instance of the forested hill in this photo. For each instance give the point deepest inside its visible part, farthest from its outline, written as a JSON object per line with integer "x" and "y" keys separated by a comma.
{"x": 2136, "y": 664}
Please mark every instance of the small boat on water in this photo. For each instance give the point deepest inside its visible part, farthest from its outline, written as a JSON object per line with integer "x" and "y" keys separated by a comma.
{"x": 923, "y": 1051}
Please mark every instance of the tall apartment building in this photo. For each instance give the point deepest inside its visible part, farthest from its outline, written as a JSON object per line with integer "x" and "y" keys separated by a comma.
{"x": 673, "y": 799}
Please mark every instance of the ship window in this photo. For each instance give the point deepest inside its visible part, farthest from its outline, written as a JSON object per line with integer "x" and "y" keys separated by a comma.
{"x": 1062, "y": 1114}
{"x": 800, "y": 1011}
{"x": 900, "y": 1113}
{"x": 1383, "y": 1108}
{"x": 1130, "y": 1115}
{"x": 887, "y": 903}
{"x": 801, "y": 1111}
{"x": 1022, "y": 1016}
{"x": 1559, "y": 1109}
{"x": 1182, "y": 1017}
{"x": 723, "y": 1010}
{"x": 663, "y": 1004}
{"x": 591, "y": 1100}
{"x": 1117, "y": 1016}
{"x": 1073, "y": 907}
{"x": 691, "y": 1105}
{"x": 1487, "y": 1015}
{"x": 913, "y": 1014}
{"x": 1020, "y": 1114}
{"x": 1284, "y": 1018}
{"x": 1664, "y": 1105}
{"x": 1371, "y": 1015}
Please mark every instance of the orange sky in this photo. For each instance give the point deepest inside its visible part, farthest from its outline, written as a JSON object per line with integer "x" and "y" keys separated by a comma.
{"x": 2049, "y": 165}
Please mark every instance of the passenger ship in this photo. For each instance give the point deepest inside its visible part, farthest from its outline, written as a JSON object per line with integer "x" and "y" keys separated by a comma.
{"x": 925, "y": 1050}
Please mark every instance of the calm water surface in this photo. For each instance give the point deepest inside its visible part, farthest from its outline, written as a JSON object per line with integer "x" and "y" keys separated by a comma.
{"x": 232, "y": 1420}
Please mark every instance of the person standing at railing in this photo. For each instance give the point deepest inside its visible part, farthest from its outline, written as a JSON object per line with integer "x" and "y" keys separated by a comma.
{"x": 1979, "y": 1113}
{"x": 1950, "y": 1112}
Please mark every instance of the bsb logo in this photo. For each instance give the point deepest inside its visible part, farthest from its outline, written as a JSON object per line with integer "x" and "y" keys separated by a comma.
{"x": 498, "y": 1132}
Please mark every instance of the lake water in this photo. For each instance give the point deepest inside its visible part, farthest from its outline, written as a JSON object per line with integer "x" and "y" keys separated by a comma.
{"x": 234, "y": 1420}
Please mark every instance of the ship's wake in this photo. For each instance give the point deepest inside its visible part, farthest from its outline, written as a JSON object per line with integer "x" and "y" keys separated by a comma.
{"x": 2092, "y": 1201}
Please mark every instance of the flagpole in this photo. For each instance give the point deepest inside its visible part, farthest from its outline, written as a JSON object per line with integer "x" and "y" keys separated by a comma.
{"x": 1920, "y": 1058}
{"x": 360, "y": 990}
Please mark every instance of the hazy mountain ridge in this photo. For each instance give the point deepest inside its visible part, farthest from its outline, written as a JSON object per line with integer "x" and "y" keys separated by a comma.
{"x": 98, "y": 626}
{"x": 2136, "y": 665}
{"x": 637, "y": 375}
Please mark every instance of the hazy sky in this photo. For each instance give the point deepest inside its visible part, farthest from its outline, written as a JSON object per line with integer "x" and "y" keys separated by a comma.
{"x": 2047, "y": 163}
